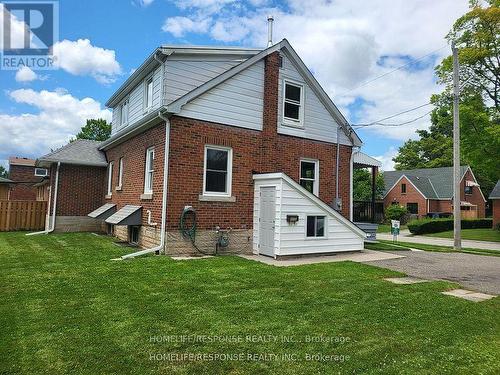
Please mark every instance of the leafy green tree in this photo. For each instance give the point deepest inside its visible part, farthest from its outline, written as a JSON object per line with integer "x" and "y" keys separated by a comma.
{"x": 3, "y": 172}
{"x": 362, "y": 185}
{"x": 96, "y": 130}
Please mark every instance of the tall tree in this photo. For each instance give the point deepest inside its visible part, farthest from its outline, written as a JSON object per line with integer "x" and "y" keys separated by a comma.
{"x": 3, "y": 172}
{"x": 362, "y": 185}
{"x": 95, "y": 129}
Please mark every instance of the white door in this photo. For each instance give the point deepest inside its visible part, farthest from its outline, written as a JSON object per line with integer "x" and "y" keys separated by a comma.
{"x": 266, "y": 220}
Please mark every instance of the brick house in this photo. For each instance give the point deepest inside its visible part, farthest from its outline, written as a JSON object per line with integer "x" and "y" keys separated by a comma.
{"x": 244, "y": 139}
{"x": 495, "y": 199}
{"x": 24, "y": 175}
{"x": 430, "y": 192}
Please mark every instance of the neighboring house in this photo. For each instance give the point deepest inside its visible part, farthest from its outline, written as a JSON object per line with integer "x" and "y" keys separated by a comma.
{"x": 80, "y": 171}
{"x": 430, "y": 191}
{"x": 247, "y": 138}
{"x": 495, "y": 199}
{"x": 25, "y": 175}
{"x": 5, "y": 188}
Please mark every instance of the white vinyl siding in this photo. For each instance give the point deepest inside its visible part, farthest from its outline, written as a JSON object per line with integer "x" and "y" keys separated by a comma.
{"x": 291, "y": 239}
{"x": 318, "y": 123}
{"x": 149, "y": 171}
{"x": 238, "y": 101}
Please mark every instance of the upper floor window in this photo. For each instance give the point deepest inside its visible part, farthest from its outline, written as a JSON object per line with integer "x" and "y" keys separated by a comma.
{"x": 120, "y": 172}
{"x": 110, "y": 178}
{"x": 403, "y": 188}
{"x": 468, "y": 190}
{"x": 149, "y": 93}
{"x": 293, "y": 103}
{"x": 148, "y": 178}
{"x": 124, "y": 112}
{"x": 309, "y": 175}
{"x": 218, "y": 171}
{"x": 41, "y": 172}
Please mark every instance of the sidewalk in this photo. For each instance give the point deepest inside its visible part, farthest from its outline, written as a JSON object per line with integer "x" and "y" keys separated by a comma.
{"x": 406, "y": 236}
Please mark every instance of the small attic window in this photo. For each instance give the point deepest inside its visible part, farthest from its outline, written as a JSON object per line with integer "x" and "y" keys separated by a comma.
{"x": 293, "y": 103}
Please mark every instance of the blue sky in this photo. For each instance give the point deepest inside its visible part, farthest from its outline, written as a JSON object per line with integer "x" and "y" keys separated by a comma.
{"x": 346, "y": 43}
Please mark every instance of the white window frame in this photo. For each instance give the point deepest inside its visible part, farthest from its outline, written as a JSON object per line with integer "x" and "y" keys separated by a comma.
{"x": 147, "y": 95}
{"x": 316, "y": 174}
{"x": 149, "y": 171}
{"x": 45, "y": 174}
{"x": 325, "y": 231}
{"x": 229, "y": 179}
{"x": 287, "y": 120}
{"x": 120, "y": 173}
{"x": 110, "y": 178}
{"x": 124, "y": 119}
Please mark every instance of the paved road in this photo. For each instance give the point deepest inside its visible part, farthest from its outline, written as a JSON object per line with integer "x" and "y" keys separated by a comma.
{"x": 474, "y": 272}
{"x": 405, "y": 236}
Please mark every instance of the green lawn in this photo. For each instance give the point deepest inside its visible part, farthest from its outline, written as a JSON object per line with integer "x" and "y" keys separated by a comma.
{"x": 472, "y": 234}
{"x": 67, "y": 308}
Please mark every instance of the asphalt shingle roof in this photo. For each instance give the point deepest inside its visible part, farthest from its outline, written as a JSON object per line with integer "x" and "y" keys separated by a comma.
{"x": 495, "y": 194}
{"x": 80, "y": 152}
{"x": 434, "y": 183}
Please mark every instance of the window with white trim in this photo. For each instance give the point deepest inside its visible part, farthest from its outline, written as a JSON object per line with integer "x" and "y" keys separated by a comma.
{"x": 309, "y": 175}
{"x": 217, "y": 171}
{"x": 293, "y": 103}
{"x": 120, "y": 172}
{"x": 41, "y": 172}
{"x": 315, "y": 226}
{"x": 110, "y": 178}
{"x": 124, "y": 112}
{"x": 148, "y": 93}
{"x": 149, "y": 170}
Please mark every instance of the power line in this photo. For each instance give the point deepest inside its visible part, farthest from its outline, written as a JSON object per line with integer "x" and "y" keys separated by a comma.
{"x": 394, "y": 125}
{"x": 392, "y": 71}
{"x": 379, "y": 122}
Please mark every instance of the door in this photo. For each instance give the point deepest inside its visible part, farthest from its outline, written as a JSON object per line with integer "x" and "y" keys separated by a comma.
{"x": 266, "y": 220}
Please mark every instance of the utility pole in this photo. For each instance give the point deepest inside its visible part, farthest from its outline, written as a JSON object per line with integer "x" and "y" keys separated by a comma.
{"x": 457, "y": 242}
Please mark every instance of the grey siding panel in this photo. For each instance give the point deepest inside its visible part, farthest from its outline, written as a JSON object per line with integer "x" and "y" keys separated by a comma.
{"x": 318, "y": 123}
{"x": 238, "y": 101}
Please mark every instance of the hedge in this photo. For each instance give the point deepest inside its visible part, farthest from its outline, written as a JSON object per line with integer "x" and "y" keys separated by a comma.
{"x": 424, "y": 226}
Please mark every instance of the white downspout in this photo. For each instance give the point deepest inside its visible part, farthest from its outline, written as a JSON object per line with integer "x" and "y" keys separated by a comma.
{"x": 54, "y": 206}
{"x": 163, "y": 228}
{"x": 351, "y": 195}
{"x": 337, "y": 161}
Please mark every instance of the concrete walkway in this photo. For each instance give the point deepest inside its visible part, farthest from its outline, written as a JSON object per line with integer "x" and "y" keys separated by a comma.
{"x": 359, "y": 256}
{"x": 406, "y": 236}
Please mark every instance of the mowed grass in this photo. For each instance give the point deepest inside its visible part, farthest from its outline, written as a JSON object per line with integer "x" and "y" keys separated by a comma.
{"x": 472, "y": 234}
{"x": 67, "y": 308}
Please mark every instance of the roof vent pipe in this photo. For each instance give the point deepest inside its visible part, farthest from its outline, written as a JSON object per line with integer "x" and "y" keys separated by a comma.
{"x": 270, "y": 20}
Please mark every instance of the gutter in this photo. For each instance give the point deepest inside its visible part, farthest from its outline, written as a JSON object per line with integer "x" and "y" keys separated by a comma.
{"x": 163, "y": 228}
{"x": 52, "y": 227}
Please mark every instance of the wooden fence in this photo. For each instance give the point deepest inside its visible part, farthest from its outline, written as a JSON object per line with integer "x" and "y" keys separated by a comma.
{"x": 22, "y": 215}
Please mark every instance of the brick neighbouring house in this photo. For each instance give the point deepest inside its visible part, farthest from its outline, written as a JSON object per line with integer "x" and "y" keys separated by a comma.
{"x": 25, "y": 175}
{"x": 237, "y": 123}
{"x": 495, "y": 199}
{"x": 430, "y": 191}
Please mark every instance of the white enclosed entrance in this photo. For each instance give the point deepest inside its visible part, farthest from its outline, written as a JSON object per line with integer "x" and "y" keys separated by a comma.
{"x": 267, "y": 220}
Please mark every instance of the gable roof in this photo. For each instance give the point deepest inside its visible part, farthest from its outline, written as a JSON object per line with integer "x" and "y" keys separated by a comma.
{"x": 256, "y": 55}
{"x": 79, "y": 152}
{"x": 495, "y": 193}
{"x": 433, "y": 183}
{"x": 15, "y": 160}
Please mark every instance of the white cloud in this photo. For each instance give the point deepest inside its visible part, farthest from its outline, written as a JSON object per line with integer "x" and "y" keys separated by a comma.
{"x": 144, "y": 3}
{"x": 82, "y": 58}
{"x": 386, "y": 159}
{"x": 58, "y": 117}
{"x": 179, "y": 26}
{"x": 25, "y": 74}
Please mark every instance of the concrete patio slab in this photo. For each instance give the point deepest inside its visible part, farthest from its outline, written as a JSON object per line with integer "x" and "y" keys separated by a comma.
{"x": 360, "y": 257}
{"x": 469, "y": 295}
{"x": 406, "y": 280}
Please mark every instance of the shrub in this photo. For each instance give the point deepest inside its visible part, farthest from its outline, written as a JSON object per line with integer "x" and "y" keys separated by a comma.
{"x": 396, "y": 212}
{"x": 424, "y": 226}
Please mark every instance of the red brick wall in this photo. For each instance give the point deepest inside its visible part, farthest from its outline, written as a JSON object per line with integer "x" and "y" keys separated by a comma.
{"x": 474, "y": 198}
{"x": 412, "y": 196}
{"x": 133, "y": 152}
{"x": 496, "y": 212}
{"x": 25, "y": 178}
{"x": 441, "y": 206}
{"x": 81, "y": 189}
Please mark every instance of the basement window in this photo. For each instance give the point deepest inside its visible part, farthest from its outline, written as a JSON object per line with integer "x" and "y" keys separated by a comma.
{"x": 149, "y": 170}
{"x": 293, "y": 102}
{"x": 309, "y": 175}
{"x": 315, "y": 226}
{"x": 134, "y": 235}
{"x": 217, "y": 171}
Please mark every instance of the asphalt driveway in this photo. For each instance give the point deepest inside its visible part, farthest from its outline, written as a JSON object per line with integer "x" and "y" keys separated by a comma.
{"x": 474, "y": 272}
